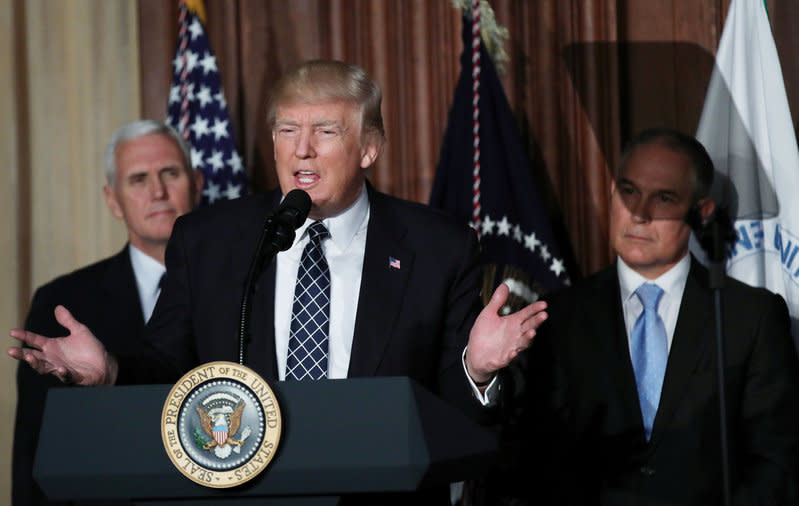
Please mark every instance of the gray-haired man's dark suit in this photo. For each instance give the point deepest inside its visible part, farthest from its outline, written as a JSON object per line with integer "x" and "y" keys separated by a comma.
{"x": 104, "y": 297}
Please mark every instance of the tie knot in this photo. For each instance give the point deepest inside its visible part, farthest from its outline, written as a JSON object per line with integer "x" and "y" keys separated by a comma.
{"x": 317, "y": 231}
{"x": 649, "y": 294}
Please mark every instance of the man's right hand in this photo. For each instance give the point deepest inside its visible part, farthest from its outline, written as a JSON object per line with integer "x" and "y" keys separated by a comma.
{"x": 79, "y": 358}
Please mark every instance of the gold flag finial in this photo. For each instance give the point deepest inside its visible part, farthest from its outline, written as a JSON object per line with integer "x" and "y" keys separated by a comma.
{"x": 197, "y": 7}
{"x": 493, "y": 34}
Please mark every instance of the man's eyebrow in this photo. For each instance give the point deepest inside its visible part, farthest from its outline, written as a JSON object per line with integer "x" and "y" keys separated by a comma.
{"x": 670, "y": 193}
{"x": 326, "y": 123}
{"x": 286, "y": 122}
{"x": 623, "y": 181}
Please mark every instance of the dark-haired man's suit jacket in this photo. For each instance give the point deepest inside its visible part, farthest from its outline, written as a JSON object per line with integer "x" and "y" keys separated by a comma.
{"x": 592, "y": 445}
{"x": 105, "y": 298}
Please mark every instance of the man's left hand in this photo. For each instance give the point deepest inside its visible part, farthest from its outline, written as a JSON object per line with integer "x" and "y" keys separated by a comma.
{"x": 496, "y": 340}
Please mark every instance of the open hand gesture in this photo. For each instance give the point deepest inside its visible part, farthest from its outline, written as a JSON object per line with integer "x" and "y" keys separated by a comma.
{"x": 496, "y": 340}
{"x": 78, "y": 358}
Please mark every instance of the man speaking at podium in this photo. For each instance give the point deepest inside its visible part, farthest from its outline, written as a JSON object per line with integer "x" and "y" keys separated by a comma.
{"x": 372, "y": 285}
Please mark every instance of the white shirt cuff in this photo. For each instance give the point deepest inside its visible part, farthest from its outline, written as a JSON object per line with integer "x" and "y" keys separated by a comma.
{"x": 491, "y": 393}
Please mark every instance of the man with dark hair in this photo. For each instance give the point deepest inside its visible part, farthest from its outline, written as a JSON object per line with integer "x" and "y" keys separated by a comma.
{"x": 149, "y": 183}
{"x": 623, "y": 390}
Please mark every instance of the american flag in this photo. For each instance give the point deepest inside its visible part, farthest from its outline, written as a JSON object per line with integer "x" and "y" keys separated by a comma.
{"x": 394, "y": 263}
{"x": 198, "y": 110}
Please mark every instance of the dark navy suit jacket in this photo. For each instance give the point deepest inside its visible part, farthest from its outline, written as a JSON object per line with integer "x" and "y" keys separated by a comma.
{"x": 104, "y": 297}
{"x": 410, "y": 321}
{"x": 589, "y": 444}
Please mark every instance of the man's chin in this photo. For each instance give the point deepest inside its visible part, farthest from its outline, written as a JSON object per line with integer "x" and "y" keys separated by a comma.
{"x": 158, "y": 234}
{"x": 158, "y": 239}
{"x": 636, "y": 258}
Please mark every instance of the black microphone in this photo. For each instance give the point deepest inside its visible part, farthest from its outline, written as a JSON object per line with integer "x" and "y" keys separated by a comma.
{"x": 278, "y": 235}
{"x": 716, "y": 235}
{"x": 287, "y": 218}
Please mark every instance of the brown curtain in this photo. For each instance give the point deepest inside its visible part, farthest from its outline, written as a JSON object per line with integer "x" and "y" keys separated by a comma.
{"x": 583, "y": 76}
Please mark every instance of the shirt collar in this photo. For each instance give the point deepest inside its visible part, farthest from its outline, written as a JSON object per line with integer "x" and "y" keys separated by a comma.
{"x": 670, "y": 281}
{"x": 343, "y": 226}
{"x": 148, "y": 271}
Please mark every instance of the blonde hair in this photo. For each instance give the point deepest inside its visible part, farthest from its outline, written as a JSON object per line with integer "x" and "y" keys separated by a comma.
{"x": 323, "y": 81}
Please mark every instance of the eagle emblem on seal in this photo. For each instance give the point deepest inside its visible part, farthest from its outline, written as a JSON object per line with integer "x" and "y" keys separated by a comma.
{"x": 220, "y": 418}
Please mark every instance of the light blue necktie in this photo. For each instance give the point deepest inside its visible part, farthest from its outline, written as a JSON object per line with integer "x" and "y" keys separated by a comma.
{"x": 310, "y": 319}
{"x": 649, "y": 351}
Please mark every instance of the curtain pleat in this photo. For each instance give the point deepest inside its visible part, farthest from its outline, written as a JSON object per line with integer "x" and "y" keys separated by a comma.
{"x": 583, "y": 76}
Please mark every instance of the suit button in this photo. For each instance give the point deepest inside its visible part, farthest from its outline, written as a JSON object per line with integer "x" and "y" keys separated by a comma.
{"x": 647, "y": 471}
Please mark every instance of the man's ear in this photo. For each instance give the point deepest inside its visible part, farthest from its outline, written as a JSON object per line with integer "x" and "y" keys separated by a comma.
{"x": 705, "y": 208}
{"x": 198, "y": 178}
{"x": 369, "y": 151}
{"x": 274, "y": 151}
{"x": 699, "y": 213}
{"x": 111, "y": 202}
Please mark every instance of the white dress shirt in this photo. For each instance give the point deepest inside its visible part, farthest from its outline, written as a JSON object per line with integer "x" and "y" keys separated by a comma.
{"x": 673, "y": 284}
{"x": 148, "y": 273}
{"x": 344, "y": 251}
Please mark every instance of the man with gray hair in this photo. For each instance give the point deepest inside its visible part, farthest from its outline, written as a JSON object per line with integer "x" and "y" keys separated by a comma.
{"x": 149, "y": 183}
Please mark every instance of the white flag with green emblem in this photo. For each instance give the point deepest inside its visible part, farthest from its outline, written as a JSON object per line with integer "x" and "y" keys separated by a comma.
{"x": 746, "y": 127}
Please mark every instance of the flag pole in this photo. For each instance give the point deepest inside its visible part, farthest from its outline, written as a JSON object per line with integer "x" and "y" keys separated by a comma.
{"x": 476, "y": 115}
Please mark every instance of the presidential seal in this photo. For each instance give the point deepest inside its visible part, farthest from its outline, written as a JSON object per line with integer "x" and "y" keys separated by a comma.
{"x": 221, "y": 424}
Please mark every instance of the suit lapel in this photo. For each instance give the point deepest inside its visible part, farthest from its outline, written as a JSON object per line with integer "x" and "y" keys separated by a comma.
{"x": 688, "y": 345}
{"x": 119, "y": 286}
{"x": 382, "y": 287}
{"x": 616, "y": 349}
{"x": 260, "y": 351}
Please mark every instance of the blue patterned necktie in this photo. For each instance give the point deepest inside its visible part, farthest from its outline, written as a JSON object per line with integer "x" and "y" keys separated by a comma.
{"x": 310, "y": 318}
{"x": 649, "y": 352}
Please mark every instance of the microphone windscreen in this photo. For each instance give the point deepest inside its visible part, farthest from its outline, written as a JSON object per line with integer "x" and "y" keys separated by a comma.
{"x": 299, "y": 204}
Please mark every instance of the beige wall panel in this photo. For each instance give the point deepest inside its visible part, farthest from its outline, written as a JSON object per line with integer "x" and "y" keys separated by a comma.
{"x": 9, "y": 265}
{"x": 83, "y": 84}
{"x": 9, "y": 305}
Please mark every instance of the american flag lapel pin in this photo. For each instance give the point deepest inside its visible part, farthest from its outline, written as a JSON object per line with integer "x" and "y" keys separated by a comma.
{"x": 393, "y": 263}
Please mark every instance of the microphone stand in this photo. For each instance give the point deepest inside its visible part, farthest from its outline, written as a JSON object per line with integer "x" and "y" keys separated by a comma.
{"x": 259, "y": 261}
{"x": 714, "y": 237}
{"x": 278, "y": 235}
